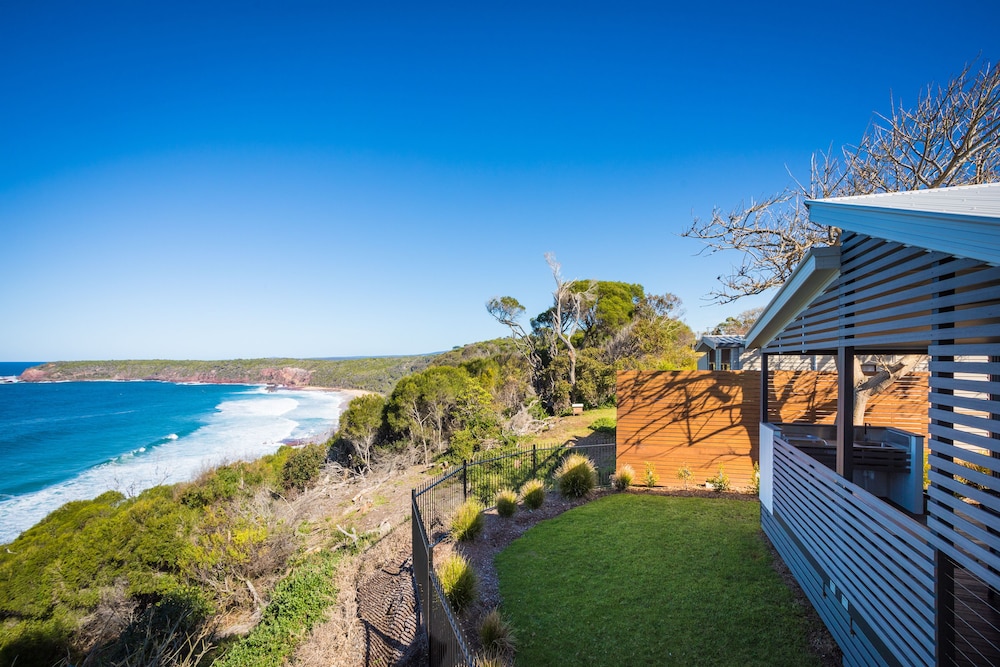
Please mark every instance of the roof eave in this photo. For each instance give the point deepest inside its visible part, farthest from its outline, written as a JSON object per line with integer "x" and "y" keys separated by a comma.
{"x": 958, "y": 234}
{"x": 815, "y": 272}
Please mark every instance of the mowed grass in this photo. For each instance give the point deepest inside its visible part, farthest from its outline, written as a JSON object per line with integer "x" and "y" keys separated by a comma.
{"x": 650, "y": 580}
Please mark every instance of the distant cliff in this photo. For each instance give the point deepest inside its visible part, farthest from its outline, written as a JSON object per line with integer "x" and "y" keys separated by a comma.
{"x": 373, "y": 374}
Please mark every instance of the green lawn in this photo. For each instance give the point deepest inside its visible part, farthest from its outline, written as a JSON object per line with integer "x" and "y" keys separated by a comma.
{"x": 650, "y": 580}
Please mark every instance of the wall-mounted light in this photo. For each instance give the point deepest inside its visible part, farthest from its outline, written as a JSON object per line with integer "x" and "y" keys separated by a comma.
{"x": 868, "y": 369}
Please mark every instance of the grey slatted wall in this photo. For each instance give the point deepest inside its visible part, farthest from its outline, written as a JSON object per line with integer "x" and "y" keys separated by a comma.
{"x": 867, "y": 568}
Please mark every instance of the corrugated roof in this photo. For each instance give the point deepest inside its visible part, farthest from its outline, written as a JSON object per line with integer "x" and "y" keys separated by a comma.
{"x": 963, "y": 221}
{"x": 964, "y": 200}
{"x": 724, "y": 341}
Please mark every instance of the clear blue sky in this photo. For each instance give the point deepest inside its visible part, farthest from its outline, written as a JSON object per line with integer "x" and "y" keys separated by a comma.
{"x": 210, "y": 180}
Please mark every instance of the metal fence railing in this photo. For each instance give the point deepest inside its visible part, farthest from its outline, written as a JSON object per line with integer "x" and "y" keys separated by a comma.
{"x": 435, "y": 502}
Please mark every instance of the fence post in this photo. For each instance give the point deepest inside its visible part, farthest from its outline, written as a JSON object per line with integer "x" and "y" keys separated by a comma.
{"x": 465, "y": 479}
{"x": 534, "y": 460}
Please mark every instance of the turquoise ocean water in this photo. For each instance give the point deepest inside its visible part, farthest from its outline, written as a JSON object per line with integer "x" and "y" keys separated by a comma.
{"x": 67, "y": 441}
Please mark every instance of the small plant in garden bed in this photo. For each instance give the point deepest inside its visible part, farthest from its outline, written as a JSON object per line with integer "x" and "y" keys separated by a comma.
{"x": 720, "y": 482}
{"x": 684, "y": 474}
{"x": 533, "y": 493}
{"x": 754, "y": 487}
{"x": 506, "y": 502}
{"x": 468, "y": 521}
{"x": 651, "y": 477}
{"x": 496, "y": 635}
{"x": 458, "y": 581}
{"x": 576, "y": 476}
{"x": 624, "y": 477}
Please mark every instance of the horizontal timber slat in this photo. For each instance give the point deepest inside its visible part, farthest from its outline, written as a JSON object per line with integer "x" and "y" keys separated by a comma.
{"x": 706, "y": 419}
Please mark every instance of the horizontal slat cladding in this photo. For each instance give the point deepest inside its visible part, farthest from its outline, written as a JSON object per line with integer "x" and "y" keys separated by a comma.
{"x": 855, "y": 650}
{"x": 889, "y": 294}
{"x": 878, "y": 558}
{"x": 964, "y": 496}
{"x": 702, "y": 420}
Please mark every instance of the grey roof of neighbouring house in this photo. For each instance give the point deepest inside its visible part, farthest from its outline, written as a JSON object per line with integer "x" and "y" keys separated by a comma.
{"x": 719, "y": 342}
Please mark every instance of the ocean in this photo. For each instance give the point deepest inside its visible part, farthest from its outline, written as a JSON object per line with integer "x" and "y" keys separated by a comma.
{"x": 66, "y": 441}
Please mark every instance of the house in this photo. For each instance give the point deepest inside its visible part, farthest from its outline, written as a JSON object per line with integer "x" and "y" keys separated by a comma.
{"x": 720, "y": 353}
{"x": 730, "y": 353}
{"x": 899, "y": 576}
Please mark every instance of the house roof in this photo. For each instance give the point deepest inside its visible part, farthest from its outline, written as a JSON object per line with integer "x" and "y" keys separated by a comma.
{"x": 814, "y": 273}
{"x": 706, "y": 343}
{"x": 963, "y": 221}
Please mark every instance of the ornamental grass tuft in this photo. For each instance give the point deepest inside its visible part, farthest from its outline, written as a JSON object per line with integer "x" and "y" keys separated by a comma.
{"x": 533, "y": 493}
{"x": 468, "y": 521}
{"x": 624, "y": 477}
{"x": 506, "y": 502}
{"x": 576, "y": 476}
{"x": 458, "y": 581}
{"x": 487, "y": 659}
{"x": 496, "y": 634}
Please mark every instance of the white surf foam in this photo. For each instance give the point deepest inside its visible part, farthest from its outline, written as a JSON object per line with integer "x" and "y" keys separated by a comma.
{"x": 244, "y": 428}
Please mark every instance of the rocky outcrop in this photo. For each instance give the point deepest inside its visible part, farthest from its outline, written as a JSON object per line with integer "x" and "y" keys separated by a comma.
{"x": 290, "y": 377}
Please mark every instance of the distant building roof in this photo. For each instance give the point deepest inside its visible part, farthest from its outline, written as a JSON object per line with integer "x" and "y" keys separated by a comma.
{"x": 706, "y": 343}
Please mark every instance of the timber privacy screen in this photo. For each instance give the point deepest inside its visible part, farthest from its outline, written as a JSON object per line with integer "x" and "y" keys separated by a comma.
{"x": 434, "y": 503}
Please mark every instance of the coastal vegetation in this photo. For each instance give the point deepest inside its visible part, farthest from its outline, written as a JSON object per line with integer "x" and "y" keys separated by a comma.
{"x": 114, "y": 578}
{"x": 497, "y": 395}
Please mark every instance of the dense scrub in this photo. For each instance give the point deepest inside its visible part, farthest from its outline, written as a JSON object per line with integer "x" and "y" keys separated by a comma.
{"x": 114, "y": 578}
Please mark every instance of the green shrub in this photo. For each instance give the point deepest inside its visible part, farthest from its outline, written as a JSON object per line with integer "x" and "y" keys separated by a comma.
{"x": 506, "y": 502}
{"x": 533, "y": 493}
{"x": 606, "y": 425}
{"x": 624, "y": 477}
{"x": 302, "y": 467}
{"x": 496, "y": 635}
{"x": 651, "y": 477}
{"x": 720, "y": 482}
{"x": 298, "y": 602}
{"x": 576, "y": 476}
{"x": 755, "y": 479}
{"x": 458, "y": 581}
{"x": 684, "y": 474}
{"x": 468, "y": 521}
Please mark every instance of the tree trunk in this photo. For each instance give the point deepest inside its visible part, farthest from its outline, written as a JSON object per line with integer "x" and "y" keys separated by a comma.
{"x": 886, "y": 375}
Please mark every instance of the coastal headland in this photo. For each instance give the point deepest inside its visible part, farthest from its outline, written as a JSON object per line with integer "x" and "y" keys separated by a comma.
{"x": 371, "y": 374}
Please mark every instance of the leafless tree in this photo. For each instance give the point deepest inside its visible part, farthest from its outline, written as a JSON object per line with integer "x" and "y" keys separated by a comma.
{"x": 569, "y": 301}
{"x": 951, "y": 137}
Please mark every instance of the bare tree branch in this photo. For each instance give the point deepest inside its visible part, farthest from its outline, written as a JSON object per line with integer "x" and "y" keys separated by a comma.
{"x": 570, "y": 300}
{"x": 951, "y": 137}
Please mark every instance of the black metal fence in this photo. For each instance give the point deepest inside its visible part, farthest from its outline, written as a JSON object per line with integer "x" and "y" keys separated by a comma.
{"x": 433, "y": 505}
